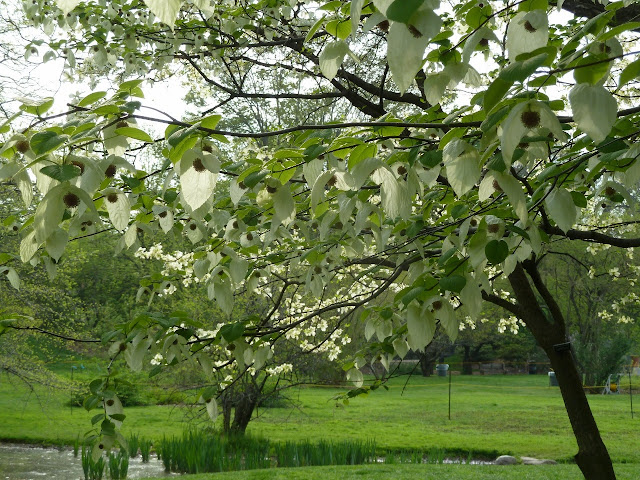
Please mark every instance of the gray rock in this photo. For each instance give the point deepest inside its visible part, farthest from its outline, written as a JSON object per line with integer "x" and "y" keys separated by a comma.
{"x": 537, "y": 461}
{"x": 505, "y": 460}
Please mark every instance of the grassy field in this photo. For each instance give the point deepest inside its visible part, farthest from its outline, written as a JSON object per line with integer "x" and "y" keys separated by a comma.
{"x": 490, "y": 416}
{"x": 416, "y": 472}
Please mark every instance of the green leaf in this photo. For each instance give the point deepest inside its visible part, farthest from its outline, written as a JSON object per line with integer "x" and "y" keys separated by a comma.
{"x": 521, "y": 70}
{"x": 47, "y": 141}
{"x": 313, "y": 30}
{"x": 625, "y": 27}
{"x": 37, "y": 107}
{"x": 402, "y": 10}
{"x": 579, "y": 199}
{"x": 496, "y": 251}
{"x": 453, "y": 283}
{"x": 528, "y": 5}
{"x": 593, "y": 71}
{"x": 62, "y": 173}
{"x": 412, "y": 294}
{"x": 232, "y": 331}
{"x": 210, "y": 122}
{"x": 341, "y": 29}
{"x": 496, "y": 91}
{"x": 630, "y": 72}
{"x": 135, "y": 133}
{"x": 91, "y": 98}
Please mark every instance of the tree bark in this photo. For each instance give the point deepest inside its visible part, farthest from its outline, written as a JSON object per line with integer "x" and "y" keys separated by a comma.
{"x": 244, "y": 408}
{"x": 467, "y": 367}
{"x": 549, "y": 330}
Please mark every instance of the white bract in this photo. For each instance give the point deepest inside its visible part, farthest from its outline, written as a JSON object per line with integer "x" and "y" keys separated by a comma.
{"x": 527, "y": 32}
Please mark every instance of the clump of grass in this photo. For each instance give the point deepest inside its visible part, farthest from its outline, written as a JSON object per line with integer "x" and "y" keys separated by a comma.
{"x": 145, "y": 449}
{"x": 118, "y": 464}
{"x": 134, "y": 444}
{"x": 200, "y": 452}
{"x": 303, "y": 454}
{"x": 76, "y": 446}
{"x": 93, "y": 470}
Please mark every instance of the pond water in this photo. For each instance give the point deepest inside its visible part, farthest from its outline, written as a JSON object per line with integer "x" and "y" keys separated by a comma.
{"x": 20, "y": 462}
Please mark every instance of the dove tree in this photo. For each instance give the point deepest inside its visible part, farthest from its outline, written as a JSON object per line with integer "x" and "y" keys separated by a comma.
{"x": 476, "y": 135}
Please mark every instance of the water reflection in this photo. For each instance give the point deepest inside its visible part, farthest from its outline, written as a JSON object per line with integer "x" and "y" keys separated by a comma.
{"x": 19, "y": 462}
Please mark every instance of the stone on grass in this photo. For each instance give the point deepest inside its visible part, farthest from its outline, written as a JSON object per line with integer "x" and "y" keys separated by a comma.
{"x": 505, "y": 460}
{"x": 537, "y": 461}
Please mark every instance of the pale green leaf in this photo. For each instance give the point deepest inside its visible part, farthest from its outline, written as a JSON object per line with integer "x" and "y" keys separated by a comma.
{"x": 67, "y": 5}
{"x": 515, "y": 194}
{"x": 527, "y": 117}
{"x": 355, "y": 376}
{"x": 312, "y": 170}
{"x": 118, "y": 207}
{"x": 471, "y": 297}
{"x": 527, "y": 32}
{"x": 13, "y": 278}
{"x": 355, "y": 12}
{"x": 462, "y": 162}
{"x": 421, "y": 326}
{"x": 318, "y": 190}
{"x": 28, "y": 247}
{"x": 238, "y": 269}
{"x": 165, "y": 10}
{"x": 284, "y": 207}
{"x": 405, "y": 49}
{"x": 401, "y": 347}
{"x": 56, "y": 243}
{"x": 331, "y": 58}
{"x": 212, "y": 409}
{"x": 223, "y": 294}
{"x": 396, "y": 201}
{"x": 261, "y": 355}
{"x": 448, "y": 319}
{"x": 561, "y": 208}
{"x": 23, "y": 181}
{"x": 594, "y": 110}
{"x": 36, "y": 107}
{"x": 49, "y": 213}
{"x": 196, "y": 180}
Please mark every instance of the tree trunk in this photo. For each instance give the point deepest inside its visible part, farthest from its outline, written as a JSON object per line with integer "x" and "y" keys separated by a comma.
{"x": 550, "y": 332}
{"x": 467, "y": 368}
{"x": 244, "y": 408}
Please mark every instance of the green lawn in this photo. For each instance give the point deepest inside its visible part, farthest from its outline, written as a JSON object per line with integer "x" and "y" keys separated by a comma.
{"x": 490, "y": 415}
{"x": 416, "y": 472}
